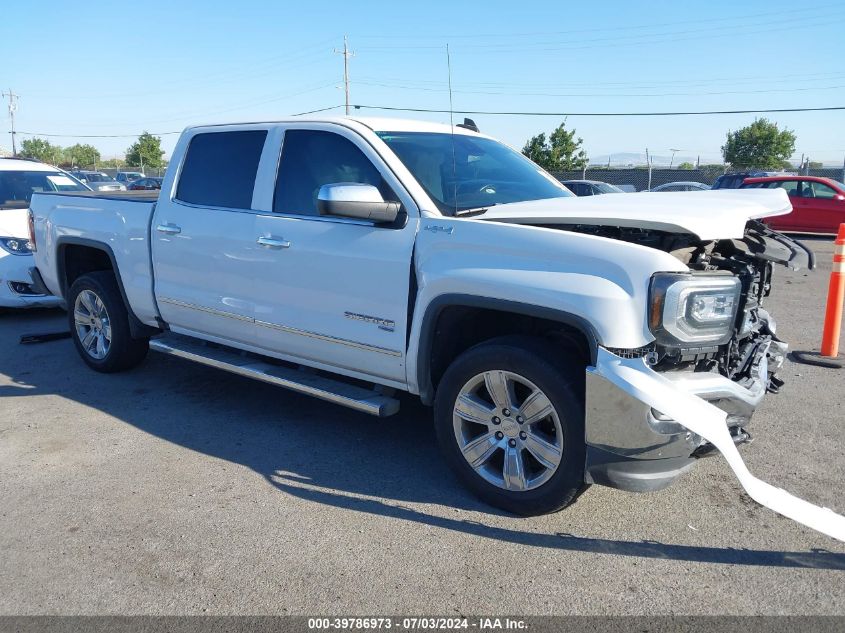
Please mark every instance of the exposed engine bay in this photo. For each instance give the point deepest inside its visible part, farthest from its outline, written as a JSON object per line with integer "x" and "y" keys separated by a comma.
{"x": 751, "y": 260}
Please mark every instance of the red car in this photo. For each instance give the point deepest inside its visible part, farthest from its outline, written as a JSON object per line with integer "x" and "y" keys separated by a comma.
{"x": 818, "y": 204}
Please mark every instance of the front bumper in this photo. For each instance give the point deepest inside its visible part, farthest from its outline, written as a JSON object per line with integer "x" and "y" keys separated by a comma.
{"x": 631, "y": 390}
{"x": 633, "y": 445}
{"x": 19, "y": 287}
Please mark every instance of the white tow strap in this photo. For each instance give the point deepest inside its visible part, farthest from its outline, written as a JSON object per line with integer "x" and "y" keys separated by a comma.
{"x": 701, "y": 417}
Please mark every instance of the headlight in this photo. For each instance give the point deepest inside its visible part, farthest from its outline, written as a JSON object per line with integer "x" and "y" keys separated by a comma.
{"x": 693, "y": 310}
{"x": 16, "y": 245}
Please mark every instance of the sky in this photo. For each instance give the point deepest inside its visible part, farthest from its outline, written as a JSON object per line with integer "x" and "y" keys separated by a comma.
{"x": 103, "y": 73}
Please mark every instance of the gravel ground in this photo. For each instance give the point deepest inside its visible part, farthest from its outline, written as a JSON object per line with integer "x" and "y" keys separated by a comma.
{"x": 178, "y": 489}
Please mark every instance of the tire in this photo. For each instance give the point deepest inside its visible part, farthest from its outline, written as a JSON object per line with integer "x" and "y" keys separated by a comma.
{"x": 99, "y": 324}
{"x": 496, "y": 438}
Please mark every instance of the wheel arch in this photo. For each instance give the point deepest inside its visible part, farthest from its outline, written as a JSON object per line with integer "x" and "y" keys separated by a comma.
{"x": 490, "y": 317}
{"x": 76, "y": 256}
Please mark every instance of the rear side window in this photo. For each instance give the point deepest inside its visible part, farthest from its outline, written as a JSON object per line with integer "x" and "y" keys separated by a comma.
{"x": 220, "y": 168}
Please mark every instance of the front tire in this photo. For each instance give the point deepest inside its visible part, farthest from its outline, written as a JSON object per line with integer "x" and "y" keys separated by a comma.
{"x": 509, "y": 418}
{"x": 99, "y": 324}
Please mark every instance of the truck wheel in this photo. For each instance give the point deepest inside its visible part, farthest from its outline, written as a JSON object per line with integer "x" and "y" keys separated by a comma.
{"x": 509, "y": 418}
{"x": 99, "y": 324}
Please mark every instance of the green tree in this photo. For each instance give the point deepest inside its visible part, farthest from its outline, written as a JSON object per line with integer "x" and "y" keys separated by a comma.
{"x": 761, "y": 144}
{"x": 686, "y": 165}
{"x": 814, "y": 164}
{"x": 146, "y": 152}
{"x": 537, "y": 149}
{"x": 42, "y": 150}
{"x": 81, "y": 155}
{"x": 562, "y": 151}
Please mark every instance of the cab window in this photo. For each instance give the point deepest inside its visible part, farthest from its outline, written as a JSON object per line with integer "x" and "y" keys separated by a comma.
{"x": 220, "y": 168}
{"x": 313, "y": 158}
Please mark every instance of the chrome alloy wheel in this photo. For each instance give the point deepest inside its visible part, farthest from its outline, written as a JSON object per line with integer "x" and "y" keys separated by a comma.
{"x": 92, "y": 324}
{"x": 508, "y": 430}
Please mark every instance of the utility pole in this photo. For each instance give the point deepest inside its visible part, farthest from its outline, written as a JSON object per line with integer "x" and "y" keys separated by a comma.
{"x": 346, "y": 55}
{"x": 672, "y": 160}
{"x": 13, "y": 105}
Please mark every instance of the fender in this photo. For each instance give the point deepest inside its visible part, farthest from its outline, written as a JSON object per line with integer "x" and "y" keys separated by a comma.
{"x": 137, "y": 328}
{"x": 439, "y": 303}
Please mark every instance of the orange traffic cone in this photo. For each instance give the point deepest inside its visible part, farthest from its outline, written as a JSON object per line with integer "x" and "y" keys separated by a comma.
{"x": 835, "y": 299}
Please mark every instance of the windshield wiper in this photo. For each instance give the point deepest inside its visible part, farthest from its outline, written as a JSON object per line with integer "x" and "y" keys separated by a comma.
{"x": 474, "y": 210}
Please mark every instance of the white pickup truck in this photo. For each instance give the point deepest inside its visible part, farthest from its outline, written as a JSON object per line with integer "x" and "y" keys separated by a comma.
{"x": 562, "y": 341}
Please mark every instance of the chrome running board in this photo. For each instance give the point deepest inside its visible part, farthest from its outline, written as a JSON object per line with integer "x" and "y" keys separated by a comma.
{"x": 265, "y": 370}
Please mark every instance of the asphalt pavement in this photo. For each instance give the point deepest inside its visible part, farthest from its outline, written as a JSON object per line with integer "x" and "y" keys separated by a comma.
{"x": 178, "y": 489}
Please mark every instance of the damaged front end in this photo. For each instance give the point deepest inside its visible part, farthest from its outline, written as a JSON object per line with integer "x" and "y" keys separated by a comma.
{"x": 653, "y": 411}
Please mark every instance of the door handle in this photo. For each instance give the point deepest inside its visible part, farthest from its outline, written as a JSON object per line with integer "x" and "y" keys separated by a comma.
{"x": 272, "y": 242}
{"x": 169, "y": 229}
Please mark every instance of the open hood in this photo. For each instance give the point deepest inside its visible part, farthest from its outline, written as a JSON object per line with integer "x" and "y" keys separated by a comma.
{"x": 709, "y": 215}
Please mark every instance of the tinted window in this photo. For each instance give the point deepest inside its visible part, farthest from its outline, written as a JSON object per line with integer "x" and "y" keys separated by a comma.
{"x": 220, "y": 168}
{"x": 311, "y": 159}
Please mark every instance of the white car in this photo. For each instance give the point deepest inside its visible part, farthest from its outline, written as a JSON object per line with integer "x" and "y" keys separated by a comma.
{"x": 562, "y": 341}
{"x": 19, "y": 178}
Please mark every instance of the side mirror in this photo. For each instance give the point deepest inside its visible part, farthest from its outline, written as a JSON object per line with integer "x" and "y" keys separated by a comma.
{"x": 355, "y": 200}
{"x": 840, "y": 197}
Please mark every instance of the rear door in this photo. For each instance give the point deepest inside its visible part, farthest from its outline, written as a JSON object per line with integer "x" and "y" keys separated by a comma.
{"x": 203, "y": 236}
{"x": 333, "y": 291}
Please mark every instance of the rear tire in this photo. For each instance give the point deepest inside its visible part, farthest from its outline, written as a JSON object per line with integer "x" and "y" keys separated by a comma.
{"x": 509, "y": 418}
{"x": 99, "y": 324}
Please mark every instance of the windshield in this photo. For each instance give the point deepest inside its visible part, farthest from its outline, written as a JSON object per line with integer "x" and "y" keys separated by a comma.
{"x": 604, "y": 187}
{"x": 485, "y": 172}
{"x": 17, "y": 187}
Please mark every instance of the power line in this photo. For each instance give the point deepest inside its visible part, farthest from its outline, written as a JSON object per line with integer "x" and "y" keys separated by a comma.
{"x": 614, "y": 42}
{"x": 591, "y": 94}
{"x": 97, "y": 135}
{"x": 627, "y": 27}
{"x": 318, "y": 110}
{"x": 153, "y": 133}
{"x": 633, "y": 85}
{"x": 703, "y": 112}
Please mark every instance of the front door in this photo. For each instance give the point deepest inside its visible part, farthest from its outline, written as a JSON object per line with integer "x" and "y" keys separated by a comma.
{"x": 822, "y": 209}
{"x": 333, "y": 291}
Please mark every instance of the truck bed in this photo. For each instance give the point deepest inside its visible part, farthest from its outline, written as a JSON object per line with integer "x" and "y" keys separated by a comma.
{"x": 115, "y": 221}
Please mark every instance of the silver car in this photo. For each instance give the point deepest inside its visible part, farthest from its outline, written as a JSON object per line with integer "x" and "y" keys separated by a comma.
{"x": 98, "y": 181}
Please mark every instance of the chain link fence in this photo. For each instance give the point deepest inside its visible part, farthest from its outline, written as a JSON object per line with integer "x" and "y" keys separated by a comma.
{"x": 638, "y": 177}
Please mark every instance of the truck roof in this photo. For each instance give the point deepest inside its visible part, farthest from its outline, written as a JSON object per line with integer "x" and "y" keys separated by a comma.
{"x": 377, "y": 124}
